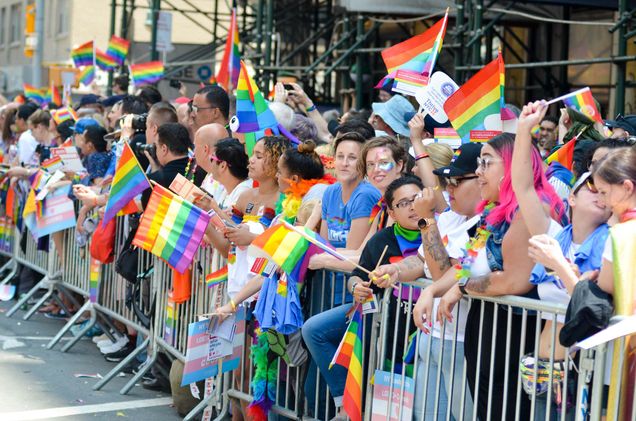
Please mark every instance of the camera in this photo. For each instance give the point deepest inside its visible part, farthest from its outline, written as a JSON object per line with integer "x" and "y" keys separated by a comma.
{"x": 138, "y": 122}
{"x": 140, "y": 148}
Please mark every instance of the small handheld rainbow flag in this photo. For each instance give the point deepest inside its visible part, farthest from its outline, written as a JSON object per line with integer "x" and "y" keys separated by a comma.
{"x": 254, "y": 117}
{"x": 104, "y": 61}
{"x": 62, "y": 114}
{"x": 87, "y": 75}
{"x": 583, "y": 101}
{"x": 56, "y": 97}
{"x": 52, "y": 164}
{"x": 84, "y": 55}
{"x": 349, "y": 355}
{"x": 33, "y": 93}
{"x": 128, "y": 182}
{"x": 118, "y": 49}
{"x": 417, "y": 54}
{"x": 231, "y": 64}
{"x": 146, "y": 73}
{"x": 475, "y": 100}
{"x": 565, "y": 154}
{"x": 171, "y": 228}
{"x": 217, "y": 277}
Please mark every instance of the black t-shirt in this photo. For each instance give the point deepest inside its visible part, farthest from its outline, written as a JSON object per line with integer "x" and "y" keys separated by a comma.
{"x": 398, "y": 319}
{"x": 165, "y": 176}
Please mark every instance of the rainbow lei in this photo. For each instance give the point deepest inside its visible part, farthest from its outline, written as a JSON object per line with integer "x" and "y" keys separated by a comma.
{"x": 472, "y": 248}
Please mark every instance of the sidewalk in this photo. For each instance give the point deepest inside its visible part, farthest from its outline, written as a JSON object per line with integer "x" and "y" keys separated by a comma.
{"x": 40, "y": 384}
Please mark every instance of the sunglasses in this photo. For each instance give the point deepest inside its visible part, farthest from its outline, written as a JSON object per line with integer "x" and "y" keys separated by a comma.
{"x": 456, "y": 181}
{"x": 590, "y": 186}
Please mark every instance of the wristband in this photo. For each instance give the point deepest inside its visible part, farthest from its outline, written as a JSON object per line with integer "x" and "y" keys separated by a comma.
{"x": 421, "y": 156}
{"x": 462, "y": 288}
{"x": 233, "y": 305}
{"x": 311, "y": 108}
{"x": 353, "y": 287}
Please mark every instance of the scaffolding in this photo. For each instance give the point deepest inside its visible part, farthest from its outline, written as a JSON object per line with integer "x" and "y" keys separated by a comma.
{"x": 333, "y": 48}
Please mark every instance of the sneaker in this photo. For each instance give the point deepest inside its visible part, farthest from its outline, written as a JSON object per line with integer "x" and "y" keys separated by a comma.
{"x": 117, "y": 346}
{"x": 107, "y": 342}
{"x": 90, "y": 333}
{"x": 61, "y": 315}
{"x": 100, "y": 338}
{"x": 120, "y": 354}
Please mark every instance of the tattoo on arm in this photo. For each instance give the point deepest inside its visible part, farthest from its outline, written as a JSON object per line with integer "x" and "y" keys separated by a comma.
{"x": 478, "y": 284}
{"x": 434, "y": 247}
{"x": 410, "y": 263}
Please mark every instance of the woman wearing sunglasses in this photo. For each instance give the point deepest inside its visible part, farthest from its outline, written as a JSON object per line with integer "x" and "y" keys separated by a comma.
{"x": 561, "y": 259}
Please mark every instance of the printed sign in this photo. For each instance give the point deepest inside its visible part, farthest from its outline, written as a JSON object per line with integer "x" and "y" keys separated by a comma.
{"x": 447, "y": 136}
{"x": 483, "y": 135}
{"x": 70, "y": 158}
{"x": 409, "y": 83}
{"x": 433, "y": 97}
{"x": 388, "y": 403}
{"x": 58, "y": 214}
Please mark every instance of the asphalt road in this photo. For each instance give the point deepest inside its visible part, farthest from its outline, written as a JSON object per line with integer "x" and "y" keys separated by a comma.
{"x": 40, "y": 384}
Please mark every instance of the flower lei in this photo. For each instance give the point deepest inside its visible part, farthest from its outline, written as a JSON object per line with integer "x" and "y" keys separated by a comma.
{"x": 294, "y": 196}
{"x": 472, "y": 248}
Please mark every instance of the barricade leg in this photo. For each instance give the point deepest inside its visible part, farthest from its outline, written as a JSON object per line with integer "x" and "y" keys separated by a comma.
{"x": 40, "y": 302}
{"x": 207, "y": 401}
{"x": 143, "y": 369}
{"x": 12, "y": 273}
{"x": 119, "y": 367}
{"x": 40, "y": 285}
{"x": 66, "y": 327}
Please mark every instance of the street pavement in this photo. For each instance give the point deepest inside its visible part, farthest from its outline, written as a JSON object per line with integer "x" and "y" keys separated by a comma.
{"x": 40, "y": 384}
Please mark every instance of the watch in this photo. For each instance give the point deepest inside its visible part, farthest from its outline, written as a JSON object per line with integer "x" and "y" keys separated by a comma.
{"x": 426, "y": 223}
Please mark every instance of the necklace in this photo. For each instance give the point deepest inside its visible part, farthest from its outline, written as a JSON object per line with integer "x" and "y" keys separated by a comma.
{"x": 473, "y": 246}
{"x": 294, "y": 196}
{"x": 187, "y": 169}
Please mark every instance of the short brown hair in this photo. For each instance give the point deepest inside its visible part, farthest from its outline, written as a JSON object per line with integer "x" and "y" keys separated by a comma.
{"x": 617, "y": 166}
{"x": 40, "y": 117}
{"x": 398, "y": 152}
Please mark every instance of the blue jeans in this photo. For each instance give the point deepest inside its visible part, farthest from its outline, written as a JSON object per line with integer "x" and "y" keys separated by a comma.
{"x": 446, "y": 381}
{"x": 322, "y": 334}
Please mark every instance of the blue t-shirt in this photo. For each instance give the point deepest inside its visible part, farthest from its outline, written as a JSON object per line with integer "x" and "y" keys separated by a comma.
{"x": 339, "y": 215}
{"x": 97, "y": 163}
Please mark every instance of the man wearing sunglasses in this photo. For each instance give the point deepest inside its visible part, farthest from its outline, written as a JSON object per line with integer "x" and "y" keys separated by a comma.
{"x": 210, "y": 104}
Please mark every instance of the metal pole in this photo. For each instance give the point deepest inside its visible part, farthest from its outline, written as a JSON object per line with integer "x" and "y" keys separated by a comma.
{"x": 113, "y": 12}
{"x": 123, "y": 31}
{"x": 39, "y": 46}
{"x": 619, "y": 98}
{"x": 459, "y": 37}
{"x": 359, "y": 82}
{"x": 156, "y": 7}
{"x": 267, "y": 60}
{"x": 479, "y": 9}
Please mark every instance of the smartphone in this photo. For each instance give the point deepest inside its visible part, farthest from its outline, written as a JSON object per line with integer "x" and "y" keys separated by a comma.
{"x": 174, "y": 83}
{"x": 288, "y": 87}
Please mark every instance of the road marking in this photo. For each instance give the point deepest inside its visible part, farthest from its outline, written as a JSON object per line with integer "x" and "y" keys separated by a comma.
{"x": 42, "y": 414}
{"x": 32, "y": 338}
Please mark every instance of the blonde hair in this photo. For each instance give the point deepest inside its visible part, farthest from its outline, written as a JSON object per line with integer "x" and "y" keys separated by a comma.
{"x": 440, "y": 154}
{"x": 305, "y": 210}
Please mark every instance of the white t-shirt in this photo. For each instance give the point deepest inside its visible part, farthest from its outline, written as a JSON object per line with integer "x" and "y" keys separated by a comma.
{"x": 453, "y": 229}
{"x": 551, "y": 292}
{"x": 26, "y": 149}
{"x": 230, "y": 199}
{"x": 607, "y": 251}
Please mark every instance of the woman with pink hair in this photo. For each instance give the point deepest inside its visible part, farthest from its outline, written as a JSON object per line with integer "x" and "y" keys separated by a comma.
{"x": 496, "y": 263}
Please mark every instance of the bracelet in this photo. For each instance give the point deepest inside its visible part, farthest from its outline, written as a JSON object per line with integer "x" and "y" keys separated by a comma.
{"x": 421, "y": 156}
{"x": 311, "y": 108}
{"x": 462, "y": 288}
{"x": 353, "y": 287}
{"x": 233, "y": 304}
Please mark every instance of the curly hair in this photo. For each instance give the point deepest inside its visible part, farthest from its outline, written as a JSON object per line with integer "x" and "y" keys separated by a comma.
{"x": 275, "y": 146}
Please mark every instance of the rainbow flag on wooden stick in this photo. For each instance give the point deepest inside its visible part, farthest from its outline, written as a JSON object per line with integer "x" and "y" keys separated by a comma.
{"x": 475, "y": 100}
{"x": 230, "y": 69}
{"x": 118, "y": 49}
{"x": 217, "y": 277}
{"x": 583, "y": 101}
{"x": 171, "y": 228}
{"x": 84, "y": 55}
{"x": 146, "y": 73}
{"x": 417, "y": 54}
{"x": 349, "y": 355}
{"x": 128, "y": 182}
{"x": 32, "y": 93}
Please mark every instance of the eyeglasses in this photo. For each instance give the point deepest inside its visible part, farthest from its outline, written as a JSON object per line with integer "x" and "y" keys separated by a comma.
{"x": 406, "y": 203}
{"x": 590, "y": 186}
{"x": 484, "y": 163}
{"x": 456, "y": 181}
{"x": 196, "y": 108}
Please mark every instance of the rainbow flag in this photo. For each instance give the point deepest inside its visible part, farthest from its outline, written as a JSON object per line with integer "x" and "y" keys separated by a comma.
{"x": 255, "y": 118}
{"x": 118, "y": 49}
{"x": 62, "y": 114}
{"x": 95, "y": 271}
{"x": 564, "y": 155}
{"x": 230, "y": 69}
{"x": 146, "y": 73}
{"x": 417, "y": 54}
{"x": 104, "y": 61}
{"x": 583, "y": 101}
{"x": 128, "y": 182}
{"x": 56, "y": 97}
{"x": 171, "y": 228}
{"x": 216, "y": 277}
{"x": 52, "y": 164}
{"x": 475, "y": 100}
{"x": 87, "y": 75}
{"x": 506, "y": 114}
{"x": 349, "y": 355}
{"x": 84, "y": 55}
{"x": 33, "y": 93}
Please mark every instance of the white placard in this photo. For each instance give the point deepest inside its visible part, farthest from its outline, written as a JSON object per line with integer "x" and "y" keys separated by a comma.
{"x": 432, "y": 98}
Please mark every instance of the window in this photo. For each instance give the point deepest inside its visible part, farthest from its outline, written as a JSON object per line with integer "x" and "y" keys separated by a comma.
{"x": 16, "y": 18}
{"x": 3, "y": 20}
{"x": 61, "y": 21}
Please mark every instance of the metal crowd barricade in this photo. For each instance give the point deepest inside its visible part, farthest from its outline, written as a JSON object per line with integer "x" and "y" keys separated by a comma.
{"x": 7, "y": 248}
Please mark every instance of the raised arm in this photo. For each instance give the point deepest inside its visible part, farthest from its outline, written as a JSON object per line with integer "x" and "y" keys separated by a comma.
{"x": 537, "y": 221}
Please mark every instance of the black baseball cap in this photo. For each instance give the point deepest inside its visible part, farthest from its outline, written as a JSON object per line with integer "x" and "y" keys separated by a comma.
{"x": 464, "y": 161}
{"x": 627, "y": 123}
